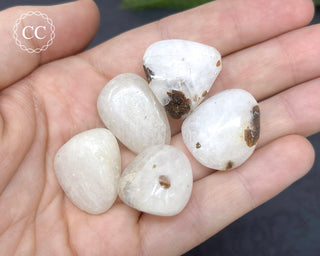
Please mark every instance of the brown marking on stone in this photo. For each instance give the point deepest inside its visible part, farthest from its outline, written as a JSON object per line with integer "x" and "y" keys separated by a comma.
{"x": 149, "y": 73}
{"x": 164, "y": 182}
{"x": 204, "y": 93}
{"x": 154, "y": 166}
{"x": 218, "y": 63}
{"x": 252, "y": 134}
{"x": 198, "y": 145}
{"x": 229, "y": 165}
{"x": 178, "y": 106}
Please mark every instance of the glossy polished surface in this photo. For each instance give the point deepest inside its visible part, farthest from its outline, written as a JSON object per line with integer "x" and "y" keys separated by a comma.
{"x": 158, "y": 181}
{"x": 223, "y": 131}
{"x": 181, "y": 73}
{"x": 128, "y": 108}
{"x": 88, "y": 169}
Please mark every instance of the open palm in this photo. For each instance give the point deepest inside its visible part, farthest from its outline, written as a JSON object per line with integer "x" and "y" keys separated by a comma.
{"x": 46, "y": 99}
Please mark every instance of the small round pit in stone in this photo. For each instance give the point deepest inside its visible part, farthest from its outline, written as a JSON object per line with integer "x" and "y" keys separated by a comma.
{"x": 164, "y": 181}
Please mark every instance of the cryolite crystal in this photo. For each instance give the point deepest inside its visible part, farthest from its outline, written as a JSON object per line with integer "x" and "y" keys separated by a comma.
{"x": 88, "y": 168}
{"x": 128, "y": 108}
{"x": 181, "y": 73}
{"x": 223, "y": 131}
{"x": 158, "y": 181}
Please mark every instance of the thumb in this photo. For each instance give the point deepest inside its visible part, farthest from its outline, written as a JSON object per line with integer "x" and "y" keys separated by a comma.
{"x": 74, "y": 26}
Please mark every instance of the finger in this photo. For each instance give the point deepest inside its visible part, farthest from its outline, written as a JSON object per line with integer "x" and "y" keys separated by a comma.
{"x": 228, "y": 25}
{"x": 75, "y": 25}
{"x": 270, "y": 67}
{"x": 294, "y": 111}
{"x": 221, "y": 198}
{"x": 273, "y": 66}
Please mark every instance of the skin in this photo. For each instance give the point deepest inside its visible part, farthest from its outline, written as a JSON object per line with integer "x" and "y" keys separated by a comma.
{"x": 49, "y": 97}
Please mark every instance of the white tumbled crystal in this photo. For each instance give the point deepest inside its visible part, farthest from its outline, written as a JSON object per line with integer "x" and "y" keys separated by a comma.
{"x": 130, "y": 110}
{"x": 158, "y": 181}
{"x": 223, "y": 131}
{"x": 181, "y": 73}
{"x": 88, "y": 168}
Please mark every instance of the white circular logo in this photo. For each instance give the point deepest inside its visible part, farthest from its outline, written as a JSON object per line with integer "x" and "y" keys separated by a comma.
{"x": 40, "y": 30}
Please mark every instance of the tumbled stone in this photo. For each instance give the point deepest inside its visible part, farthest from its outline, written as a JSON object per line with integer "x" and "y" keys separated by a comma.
{"x": 158, "y": 181}
{"x": 88, "y": 169}
{"x": 128, "y": 108}
{"x": 223, "y": 131}
{"x": 181, "y": 73}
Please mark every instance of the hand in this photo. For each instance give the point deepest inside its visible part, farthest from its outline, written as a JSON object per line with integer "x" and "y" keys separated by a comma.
{"x": 43, "y": 102}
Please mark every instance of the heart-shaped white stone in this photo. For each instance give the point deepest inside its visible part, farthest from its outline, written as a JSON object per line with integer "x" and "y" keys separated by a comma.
{"x": 128, "y": 108}
{"x": 181, "y": 73}
{"x": 158, "y": 181}
{"x": 88, "y": 168}
{"x": 223, "y": 131}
